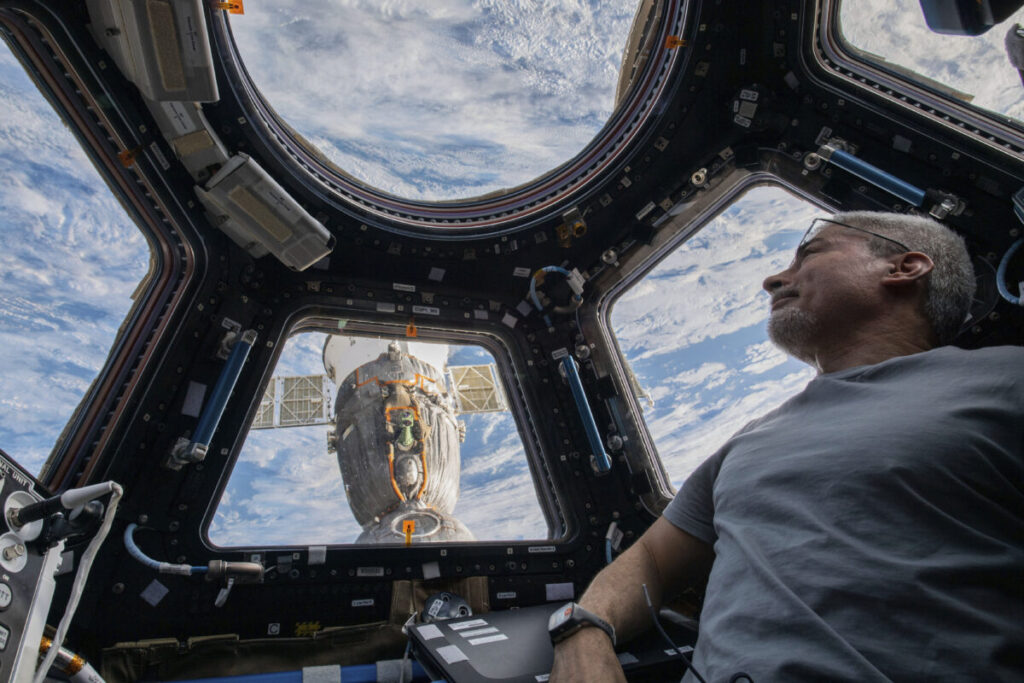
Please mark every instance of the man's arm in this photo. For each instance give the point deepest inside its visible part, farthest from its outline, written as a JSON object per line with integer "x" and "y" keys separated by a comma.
{"x": 665, "y": 558}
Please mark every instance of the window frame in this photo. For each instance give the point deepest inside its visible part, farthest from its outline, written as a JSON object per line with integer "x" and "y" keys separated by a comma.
{"x": 833, "y": 59}
{"x": 548, "y": 498}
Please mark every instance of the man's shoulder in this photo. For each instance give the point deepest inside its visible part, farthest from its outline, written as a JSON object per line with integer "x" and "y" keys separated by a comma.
{"x": 986, "y": 354}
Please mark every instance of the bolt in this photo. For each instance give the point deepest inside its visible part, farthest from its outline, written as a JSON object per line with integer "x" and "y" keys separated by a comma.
{"x": 14, "y": 551}
{"x": 117, "y": 588}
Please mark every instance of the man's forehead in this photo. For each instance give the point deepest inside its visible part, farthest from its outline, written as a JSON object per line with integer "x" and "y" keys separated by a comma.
{"x": 829, "y": 231}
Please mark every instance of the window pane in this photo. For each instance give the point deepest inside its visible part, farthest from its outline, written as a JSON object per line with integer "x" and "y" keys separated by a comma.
{"x": 424, "y": 99}
{"x": 393, "y": 416}
{"x": 70, "y": 259}
{"x": 693, "y": 329}
{"x": 895, "y": 32}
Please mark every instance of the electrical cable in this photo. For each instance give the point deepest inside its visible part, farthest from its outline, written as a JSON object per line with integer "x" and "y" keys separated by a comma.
{"x": 665, "y": 636}
{"x": 162, "y": 567}
{"x": 1001, "y": 274}
{"x": 609, "y": 538}
{"x": 577, "y": 297}
{"x": 79, "y": 584}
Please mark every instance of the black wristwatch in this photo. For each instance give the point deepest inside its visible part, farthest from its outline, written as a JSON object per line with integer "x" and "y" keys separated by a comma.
{"x": 570, "y": 617}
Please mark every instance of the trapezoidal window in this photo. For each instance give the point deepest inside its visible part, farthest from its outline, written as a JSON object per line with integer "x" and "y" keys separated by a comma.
{"x": 70, "y": 259}
{"x": 376, "y": 440}
{"x": 693, "y": 329}
{"x": 438, "y": 101}
{"x": 894, "y": 35}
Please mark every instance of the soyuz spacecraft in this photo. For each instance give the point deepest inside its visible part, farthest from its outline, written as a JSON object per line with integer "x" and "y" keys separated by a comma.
{"x": 397, "y": 440}
{"x": 394, "y": 427}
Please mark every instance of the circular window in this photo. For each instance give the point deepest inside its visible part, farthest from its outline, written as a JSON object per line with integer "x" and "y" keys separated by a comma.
{"x": 439, "y": 101}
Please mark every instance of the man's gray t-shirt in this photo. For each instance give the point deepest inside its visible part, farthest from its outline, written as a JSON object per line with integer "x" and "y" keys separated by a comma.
{"x": 870, "y": 528}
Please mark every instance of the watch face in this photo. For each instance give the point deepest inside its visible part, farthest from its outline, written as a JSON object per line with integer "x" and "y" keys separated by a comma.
{"x": 559, "y": 617}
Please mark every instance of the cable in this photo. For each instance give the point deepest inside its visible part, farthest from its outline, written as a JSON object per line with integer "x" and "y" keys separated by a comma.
{"x": 162, "y": 567}
{"x": 575, "y": 281}
{"x": 661, "y": 630}
{"x": 79, "y": 585}
{"x": 77, "y": 669}
{"x": 1001, "y": 273}
{"x": 609, "y": 541}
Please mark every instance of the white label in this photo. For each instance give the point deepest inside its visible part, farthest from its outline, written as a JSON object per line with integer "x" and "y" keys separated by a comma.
{"x": 154, "y": 149}
{"x": 646, "y": 210}
{"x": 193, "y": 399}
{"x": 741, "y": 121}
{"x": 4, "y": 635}
{"x": 488, "y": 639}
{"x": 540, "y": 549}
{"x": 385, "y": 308}
{"x": 317, "y": 554}
{"x": 559, "y": 591}
{"x": 478, "y": 632}
{"x": 403, "y": 288}
{"x": 506, "y": 595}
{"x": 480, "y": 314}
{"x": 616, "y": 539}
{"x": 472, "y": 623}
{"x": 429, "y": 632}
{"x": 521, "y": 272}
{"x": 451, "y": 654}
{"x": 524, "y": 308}
{"x": 273, "y": 629}
{"x": 559, "y": 354}
{"x": 431, "y": 570}
{"x": 509, "y": 320}
{"x": 365, "y": 602}
{"x": 542, "y": 678}
{"x": 370, "y": 571}
{"x": 154, "y": 593}
{"x": 192, "y": 35}
{"x": 436, "y": 274}
{"x": 426, "y": 310}
{"x": 181, "y": 122}
{"x": 322, "y": 674}
{"x": 749, "y": 95}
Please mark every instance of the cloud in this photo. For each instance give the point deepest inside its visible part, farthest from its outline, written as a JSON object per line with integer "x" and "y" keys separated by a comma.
{"x": 432, "y": 95}
{"x": 975, "y": 65}
{"x": 711, "y": 285}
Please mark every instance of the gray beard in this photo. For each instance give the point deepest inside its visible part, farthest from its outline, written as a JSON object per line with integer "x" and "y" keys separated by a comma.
{"x": 793, "y": 331}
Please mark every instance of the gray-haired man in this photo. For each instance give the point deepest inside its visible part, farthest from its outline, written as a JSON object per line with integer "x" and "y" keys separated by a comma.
{"x": 871, "y": 528}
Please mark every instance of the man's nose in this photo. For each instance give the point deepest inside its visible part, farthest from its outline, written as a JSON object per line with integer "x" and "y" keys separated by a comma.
{"x": 776, "y": 281}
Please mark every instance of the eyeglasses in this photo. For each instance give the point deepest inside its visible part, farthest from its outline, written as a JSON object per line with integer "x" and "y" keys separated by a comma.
{"x": 819, "y": 223}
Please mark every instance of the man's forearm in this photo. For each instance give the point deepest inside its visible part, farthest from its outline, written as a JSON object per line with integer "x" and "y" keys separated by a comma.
{"x": 616, "y": 593}
{"x": 666, "y": 559}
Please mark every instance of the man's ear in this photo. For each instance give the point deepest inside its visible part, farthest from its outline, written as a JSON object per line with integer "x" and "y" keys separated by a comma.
{"x": 908, "y": 268}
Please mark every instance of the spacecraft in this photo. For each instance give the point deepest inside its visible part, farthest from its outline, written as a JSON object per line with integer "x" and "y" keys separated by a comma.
{"x": 397, "y": 440}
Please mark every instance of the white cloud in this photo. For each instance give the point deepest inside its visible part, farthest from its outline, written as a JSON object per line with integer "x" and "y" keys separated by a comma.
{"x": 975, "y": 65}
{"x": 711, "y": 285}
{"x": 433, "y": 95}
{"x": 763, "y": 357}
